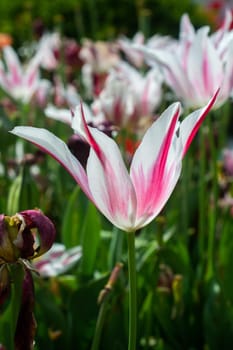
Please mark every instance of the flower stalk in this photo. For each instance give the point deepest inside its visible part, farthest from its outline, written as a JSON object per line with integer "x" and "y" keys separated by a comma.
{"x": 132, "y": 292}
{"x": 103, "y": 300}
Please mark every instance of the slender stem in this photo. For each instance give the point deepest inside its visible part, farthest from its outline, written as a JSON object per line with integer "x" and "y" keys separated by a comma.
{"x": 116, "y": 247}
{"x": 185, "y": 203}
{"x": 132, "y": 291}
{"x": 103, "y": 300}
{"x": 99, "y": 324}
{"x": 212, "y": 207}
{"x": 202, "y": 202}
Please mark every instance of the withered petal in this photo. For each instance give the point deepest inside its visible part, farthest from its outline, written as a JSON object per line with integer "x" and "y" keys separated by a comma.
{"x": 34, "y": 218}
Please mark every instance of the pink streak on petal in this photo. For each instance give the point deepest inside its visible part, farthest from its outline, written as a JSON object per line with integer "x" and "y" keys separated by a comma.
{"x": 89, "y": 137}
{"x": 110, "y": 184}
{"x": 162, "y": 158}
{"x": 147, "y": 185}
{"x": 16, "y": 78}
{"x": 32, "y": 77}
{"x": 206, "y": 72}
{"x": 203, "y": 113}
{"x": 13, "y": 65}
{"x": 145, "y": 96}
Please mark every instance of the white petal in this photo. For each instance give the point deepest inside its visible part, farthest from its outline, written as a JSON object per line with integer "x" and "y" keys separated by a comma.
{"x": 61, "y": 114}
{"x": 52, "y": 145}
{"x": 110, "y": 184}
{"x": 204, "y": 67}
{"x": 152, "y": 171}
{"x": 190, "y": 125}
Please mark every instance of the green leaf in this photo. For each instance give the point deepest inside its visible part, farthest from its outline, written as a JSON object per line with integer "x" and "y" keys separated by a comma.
{"x": 90, "y": 239}
{"x": 6, "y": 139}
{"x": 14, "y": 195}
{"x": 73, "y": 219}
{"x": 84, "y": 311}
{"x": 225, "y": 260}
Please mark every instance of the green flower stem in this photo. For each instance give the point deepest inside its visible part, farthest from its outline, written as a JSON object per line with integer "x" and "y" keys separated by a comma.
{"x": 132, "y": 291}
{"x": 202, "y": 185}
{"x": 103, "y": 300}
{"x": 100, "y": 323}
{"x": 212, "y": 206}
{"x": 116, "y": 247}
{"x": 185, "y": 203}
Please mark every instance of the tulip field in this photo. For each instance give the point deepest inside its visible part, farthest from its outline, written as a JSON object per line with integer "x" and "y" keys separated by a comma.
{"x": 116, "y": 182}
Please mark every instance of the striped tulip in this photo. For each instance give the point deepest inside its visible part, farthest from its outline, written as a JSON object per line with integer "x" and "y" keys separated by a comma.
{"x": 129, "y": 199}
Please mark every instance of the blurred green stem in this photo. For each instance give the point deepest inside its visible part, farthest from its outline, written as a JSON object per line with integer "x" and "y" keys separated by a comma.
{"x": 103, "y": 301}
{"x": 116, "y": 247}
{"x": 202, "y": 198}
{"x": 185, "y": 204}
{"x": 100, "y": 323}
{"x": 212, "y": 204}
{"x": 93, "y": 17}
{"x": 132, "y": 291}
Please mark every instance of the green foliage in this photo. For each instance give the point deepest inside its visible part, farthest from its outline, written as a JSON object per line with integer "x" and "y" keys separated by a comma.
{"x": 184, "y": 258}
{"x": 97, "y": 19}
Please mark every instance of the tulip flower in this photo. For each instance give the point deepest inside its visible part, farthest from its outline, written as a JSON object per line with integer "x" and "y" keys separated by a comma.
{"x": 19, "y": 82}
{"x": 198, "y": 64}
{"x": 135, "y": 57}
{"x": 130, "y": 200}
{"x": 57, "y": 260}
{"x": 98, "y": 58}
{"x": 129, "y": 99}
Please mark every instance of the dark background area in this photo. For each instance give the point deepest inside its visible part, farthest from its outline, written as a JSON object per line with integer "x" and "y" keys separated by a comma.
{"x": 96, "y": 19}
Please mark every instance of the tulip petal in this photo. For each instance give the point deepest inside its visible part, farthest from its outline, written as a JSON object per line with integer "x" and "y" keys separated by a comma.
{"x": 57, "y": 260}
{"x": 108, "y": 178}
{"x": 187, "y": 30}
{"x": 110, "y": 183}
{"x": 204, "y": 67}
{"x": 152, "y": 170}
{"x": 60, "y": 114}
{"x": 191, "y": 124}
{"x": 31, "y": 75}
{"x": 173, "y": 70}
{"x": 13, "y": 65}
{"x": 46, "y": 230}
{"x": 52, "y": 145}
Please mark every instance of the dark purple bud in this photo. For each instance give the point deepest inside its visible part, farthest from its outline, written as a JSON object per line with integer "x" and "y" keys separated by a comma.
{"x": 72, "y": 50}
{"x": 98, "y": 82}
{"x": 107, "y": 127}
{"x": 79, "y": 148}
{"x": 38, "y": 27}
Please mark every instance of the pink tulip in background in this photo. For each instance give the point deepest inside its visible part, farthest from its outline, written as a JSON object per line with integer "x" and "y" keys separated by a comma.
{"x": 129, "y": 97}
{"x": 130, "y": 200}
{"x": 18, "y": 81}
{"x": 197, "y": 64}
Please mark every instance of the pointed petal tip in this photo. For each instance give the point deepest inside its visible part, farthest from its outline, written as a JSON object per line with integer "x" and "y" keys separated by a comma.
{"x": 16, "y": 130}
